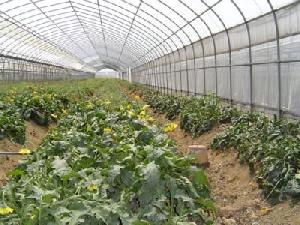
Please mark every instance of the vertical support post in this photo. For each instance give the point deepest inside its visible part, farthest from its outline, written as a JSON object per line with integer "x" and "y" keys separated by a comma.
{"x": 166, "y": 72}
{"x": 129, "y": 74}
{"x": 187, "y": 72}
{"x": 280, "y": 112}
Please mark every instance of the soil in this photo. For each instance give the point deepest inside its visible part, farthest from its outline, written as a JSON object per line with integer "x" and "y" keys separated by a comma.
{"x": 237, "y": 197}
{"x": 34, "y": 136}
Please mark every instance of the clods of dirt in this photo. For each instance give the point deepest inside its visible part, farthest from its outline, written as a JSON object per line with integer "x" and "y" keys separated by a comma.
{"x": 237, "y": 197}
{"x": 34, "y": 136}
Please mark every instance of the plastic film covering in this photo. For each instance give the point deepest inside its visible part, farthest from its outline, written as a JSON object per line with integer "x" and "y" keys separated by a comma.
{"x": 17, "y": 69}
{"x": 247, "y": 53}
{"x": 244, "y": 51}
{"x": 93, "y": 34}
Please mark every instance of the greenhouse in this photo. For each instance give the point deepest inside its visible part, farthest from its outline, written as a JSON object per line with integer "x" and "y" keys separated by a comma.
{"x": 149, "y": 112}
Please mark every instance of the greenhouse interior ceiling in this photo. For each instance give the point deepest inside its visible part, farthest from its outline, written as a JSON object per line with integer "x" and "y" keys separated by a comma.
{"x": 91, "y": 34}
{"x": 239, "y": 49}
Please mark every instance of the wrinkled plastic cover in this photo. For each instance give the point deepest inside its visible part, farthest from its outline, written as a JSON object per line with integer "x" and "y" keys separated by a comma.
{"x": 95, "y": 34}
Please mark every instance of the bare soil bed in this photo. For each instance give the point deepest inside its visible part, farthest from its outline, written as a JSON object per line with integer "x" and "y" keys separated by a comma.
{"x": 34, "y": 136}
{"x": 238, "y": 199}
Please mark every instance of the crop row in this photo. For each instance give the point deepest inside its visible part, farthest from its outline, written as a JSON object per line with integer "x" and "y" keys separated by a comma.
{"x": 41, "y": 105}
{"x": 270, "y": 146}
{"x": 197, "y": 114}
{"x": 106, "y": 164}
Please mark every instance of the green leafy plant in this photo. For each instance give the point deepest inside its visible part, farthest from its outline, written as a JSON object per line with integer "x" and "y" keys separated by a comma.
{"x": 164, "y": 104}
{"x": 270, "y": 147}
{"x": 106, "y": 164}
{"x": 12, "y": 124}
{"x": 41, "y": 105}
{"x": 199, "y": 115}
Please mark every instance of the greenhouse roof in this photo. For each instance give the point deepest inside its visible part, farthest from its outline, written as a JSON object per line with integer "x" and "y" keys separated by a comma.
{"x": 94, "y": 34}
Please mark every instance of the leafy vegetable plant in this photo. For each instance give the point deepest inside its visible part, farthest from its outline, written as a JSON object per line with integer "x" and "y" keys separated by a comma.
{"x": 106, "y": 164}
{"x": 270, "y": 147}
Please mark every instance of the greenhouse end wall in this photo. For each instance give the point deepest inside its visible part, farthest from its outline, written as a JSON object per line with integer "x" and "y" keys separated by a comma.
{"x": 254, "y": 64}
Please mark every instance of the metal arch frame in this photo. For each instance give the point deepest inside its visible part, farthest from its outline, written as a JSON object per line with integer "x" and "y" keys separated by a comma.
{"x": 181, "y": 89}
{"x": 229, "y": 47}
{"x": 210, "y": 8}
{"x": 169, "y": 20}
{"x": 33, "y": 42}
{"x": 280, "y": 112}
{"x": 129, "y": 30}
{"x": 127, "y": 11}
{"x": 21, "y": 53}
{"x": 11, "y": 54}
{"x": 11, "y": 22}
{"x": 249, "y": 40}
{"x": 52, "y": 48}
{"x": 120, "y": 25}
{"x": 250, "y": 56}
{"x": 250, "y": 49}
{"x": 211, "y": 35}
{"x": 83, "y": 28}
{"x": 107, "y": 7}
{"x": 17, "y": 25}
{"x": 141, "y": 17}
{"x": 152, "y": 36}
{"x": 202, "y": 46}
{"x": 36, "y": 56}
{"x": 25, "y": 69}
{"x": 204, "y": 22}
{"x": 102, "y": 27}
{"x": 189, "y": 24}
{"x": 52, "y": 22}
{"x": 159, "y": 21}
{"x": 180, "y": 28}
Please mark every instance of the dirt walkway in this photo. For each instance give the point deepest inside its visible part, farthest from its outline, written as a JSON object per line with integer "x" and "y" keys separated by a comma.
{"x": 234, "y": 189}
{"x": 34, "y": 136}
{"x": 237, "y": 197}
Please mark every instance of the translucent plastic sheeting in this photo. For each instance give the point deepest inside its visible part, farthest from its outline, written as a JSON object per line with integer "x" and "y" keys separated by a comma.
{"x": 118, "y": 33}
{"x": 254, "y": 63}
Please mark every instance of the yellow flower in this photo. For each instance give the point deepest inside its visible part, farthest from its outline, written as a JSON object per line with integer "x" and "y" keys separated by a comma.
{"x": 143, "y": 113}
{"x": 24, "y": 151}
{"x": 145, "y": 107}
{"x": 90, "y": 105}
{"x": 64, "y": 111}
{"x": 5, "y": 211}
{"x": 131, "y": 114}
{"x": 150, "y": 119}
{"x": 143, "y": 116}
{"x": 107, "y": 130}
{"x": 92, "y": 188}
{"x": 264, "y": 211}
{"x": 136, "y": 97}
{"x": 170, "y": 127}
